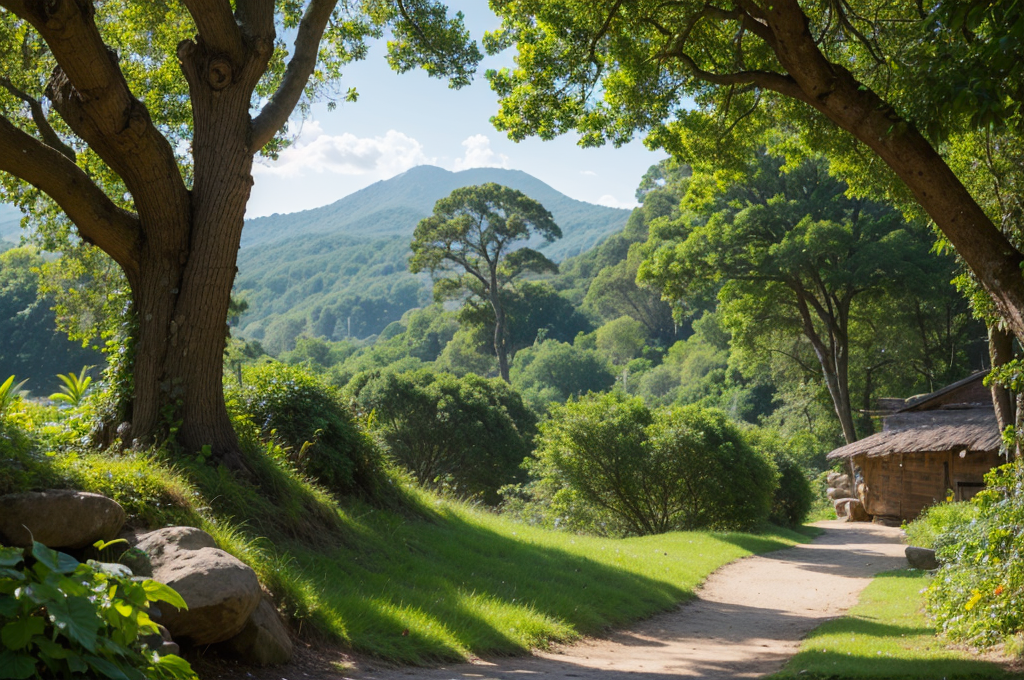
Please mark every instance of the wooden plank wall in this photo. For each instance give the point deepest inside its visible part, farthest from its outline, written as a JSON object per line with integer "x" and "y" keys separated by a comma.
{"x": 926, "y": 478}
{"x": 903, "y": 484}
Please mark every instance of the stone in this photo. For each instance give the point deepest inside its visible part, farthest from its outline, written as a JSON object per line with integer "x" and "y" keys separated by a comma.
{"x": 852, "y": 510}
{"x": 221, "y": 591}
{"x": 59, "y": 518}
{"x": 921, "y": 558}
{"x": 264, "y": 640}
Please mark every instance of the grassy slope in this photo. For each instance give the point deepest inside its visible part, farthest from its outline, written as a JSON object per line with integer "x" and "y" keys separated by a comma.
{"x": 886, "y": 635}
{"x": 469, "y": 582}
{"x": 425, "y": 580}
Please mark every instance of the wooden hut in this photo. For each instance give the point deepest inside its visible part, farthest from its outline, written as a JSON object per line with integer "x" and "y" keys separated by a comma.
{"x": 929, "y": 447}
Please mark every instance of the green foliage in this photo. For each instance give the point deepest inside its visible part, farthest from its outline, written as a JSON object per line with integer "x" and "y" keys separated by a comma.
{"x": 553, "y": 371}
{"x": 651, "y": 472}
{"x": 10, "y": 394}
{"x": 61, "y": 618}
{"x": 621, "y": 339}
{"x": 793, "y": 497}
{"x": 31, "y": 346}
{"x": 289, "y": 405}
{"x": 73, "y": 390}
{"x": 886, "y": 636}
{"x": 467, "y": 436}
{"x": 938, "y": 524}
{"x": 978, "y": 595}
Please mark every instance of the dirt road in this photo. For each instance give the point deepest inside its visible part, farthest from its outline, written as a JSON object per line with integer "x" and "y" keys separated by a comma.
{"x": 748, "y": 619}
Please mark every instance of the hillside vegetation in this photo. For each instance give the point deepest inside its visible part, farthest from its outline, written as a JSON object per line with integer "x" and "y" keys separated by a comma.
{"x": 340, "y": 271}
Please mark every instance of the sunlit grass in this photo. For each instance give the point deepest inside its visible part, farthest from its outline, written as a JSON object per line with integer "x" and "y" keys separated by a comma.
{"x": 887, "y": 635}
{"x": 425, "y": 580}
{"x": 470, "y": 582}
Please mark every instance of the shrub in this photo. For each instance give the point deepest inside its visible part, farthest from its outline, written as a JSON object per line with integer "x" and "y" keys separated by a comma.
{"x": 793, "y": 497}
{"x": 978, "y": 595}
{"x": 305, "y": 414}
{"x": 678, "y": 468}
{"x": 939, "y": 523}
{"x": 467, "y": 435}
{"x": 60, "y": 618}
{"x": 554, "y": 371}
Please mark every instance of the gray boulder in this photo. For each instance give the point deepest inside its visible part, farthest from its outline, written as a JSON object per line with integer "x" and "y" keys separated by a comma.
{"x": 59, "y": 518}
{"x": 221, "y": 591}
{"x": 921, "y": 558}
{"x": 851, "y": 509}
{"x": 264, "y": 640}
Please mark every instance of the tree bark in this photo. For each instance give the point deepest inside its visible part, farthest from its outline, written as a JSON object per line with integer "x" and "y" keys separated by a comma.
{"x": 838, "y": 95}
{"x": 500, "y": 338}
{"x": 1000, "y": 349}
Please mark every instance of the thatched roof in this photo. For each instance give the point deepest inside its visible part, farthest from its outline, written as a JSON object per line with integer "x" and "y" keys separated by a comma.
{"x": 970, "y": 429}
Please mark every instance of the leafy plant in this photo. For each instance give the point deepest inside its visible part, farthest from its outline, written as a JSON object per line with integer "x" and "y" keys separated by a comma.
{"x": 63, "y": 618}
{"x": 653, "y": 471}
{"x": 74, "y": 388}
{"x": 9, "y": 393}
{"x": 978, "y": 594}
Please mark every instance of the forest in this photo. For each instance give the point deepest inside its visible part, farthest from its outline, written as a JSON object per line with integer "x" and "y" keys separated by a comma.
{"x": 408, "y": 382}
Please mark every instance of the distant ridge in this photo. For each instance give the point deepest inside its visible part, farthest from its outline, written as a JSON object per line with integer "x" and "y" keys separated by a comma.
{"x": 342, "y": 269}
{"x": 395, "y": 206}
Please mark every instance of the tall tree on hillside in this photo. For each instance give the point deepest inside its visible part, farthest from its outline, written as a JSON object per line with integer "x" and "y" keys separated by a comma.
{"x": 140, "y": 120}
{"x": 708, "y": 79}
{"x": 788, "y": 254}
{"x": 480, "y": 231}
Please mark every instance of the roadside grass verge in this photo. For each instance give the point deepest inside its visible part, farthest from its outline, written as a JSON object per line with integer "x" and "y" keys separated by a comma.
{"x": 472, "y": 583}
{"x": 886, "y": 635}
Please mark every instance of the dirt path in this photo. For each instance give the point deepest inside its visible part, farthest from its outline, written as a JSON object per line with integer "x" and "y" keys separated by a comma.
{"x": 748, "y": 619}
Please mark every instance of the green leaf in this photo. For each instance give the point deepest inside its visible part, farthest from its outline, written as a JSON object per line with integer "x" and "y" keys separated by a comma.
{"x": 105, "y": 667}
{"x": 160, "y": 592}
{"x": 76, "y": 619}
{"x": 8, "y": 607}
{"x": 11, "y": 557}
{"x": 17, "y": 634}
{"x": 57, "y": 561}
{"x": 11, "y": 574}
{"x": 176, "y": 665}
{"x": 16, "y": 665}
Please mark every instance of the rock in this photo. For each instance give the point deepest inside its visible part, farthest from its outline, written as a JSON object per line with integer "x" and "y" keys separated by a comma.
{"x": 161, "y": 642}
{"x": 264, "y": 640}
{"x": 921, "y": 558}
{"x": 59, "y": 518}
{"x": 220, "y": 590}
{"x": 852, "y": 510}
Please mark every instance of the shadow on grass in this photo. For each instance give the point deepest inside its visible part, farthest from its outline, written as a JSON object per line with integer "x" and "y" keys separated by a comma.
{"x": 834, "y": 665}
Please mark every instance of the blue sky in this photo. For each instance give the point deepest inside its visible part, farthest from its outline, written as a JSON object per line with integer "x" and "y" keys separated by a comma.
{"x": 405, "y": 120}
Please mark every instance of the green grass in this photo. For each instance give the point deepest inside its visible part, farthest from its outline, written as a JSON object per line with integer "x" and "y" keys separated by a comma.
{"x": 418, "y": 581}
{"x": 887, "y": 635}
{"x": 470, "y": 582}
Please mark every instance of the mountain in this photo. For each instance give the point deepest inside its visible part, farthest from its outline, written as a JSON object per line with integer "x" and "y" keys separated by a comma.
{"x": 341, "y": 270}
{"x": 395, "y": 206}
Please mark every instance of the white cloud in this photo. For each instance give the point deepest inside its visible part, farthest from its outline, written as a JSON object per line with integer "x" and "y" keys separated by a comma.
{"x": 588, "y": 173}
{"x": 346, "y": 154}
{"x": 610, "y": 201}
{"x": 479, "y": 154}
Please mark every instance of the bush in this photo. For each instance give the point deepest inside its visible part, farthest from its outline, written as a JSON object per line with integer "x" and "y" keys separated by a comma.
{"x": 287, "y": 404}
{"x": 978, "y": 595}
{"x": 793, "y": 497}
{"x": 466, "y": 435}
{"x": 61, "y": 618}
{"x": 553, "y": 371}
{"x": 678, "y": 468}
{"x": 939, "y": 523}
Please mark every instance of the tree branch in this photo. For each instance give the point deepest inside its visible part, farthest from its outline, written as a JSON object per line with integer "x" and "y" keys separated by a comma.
{"x": 92, "y": 96}
{"x": 99, "y": 221}
{"x": 307, "y": 47}
{"x": 766, "y": 80}
{"x": 46, "y": 131}
{"x": 217, "y": 27}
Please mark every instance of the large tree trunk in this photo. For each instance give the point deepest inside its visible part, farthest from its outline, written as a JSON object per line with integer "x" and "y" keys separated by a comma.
{"x": 836, "y": 93}
{"x": 500, "y": 339}
{"x": 1000, "y": 348}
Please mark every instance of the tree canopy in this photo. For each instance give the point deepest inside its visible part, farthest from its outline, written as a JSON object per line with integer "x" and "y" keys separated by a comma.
{"x": 133, "y": 127}
{"x": 480, "y": 232}
{"x": 711, "y": 81}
